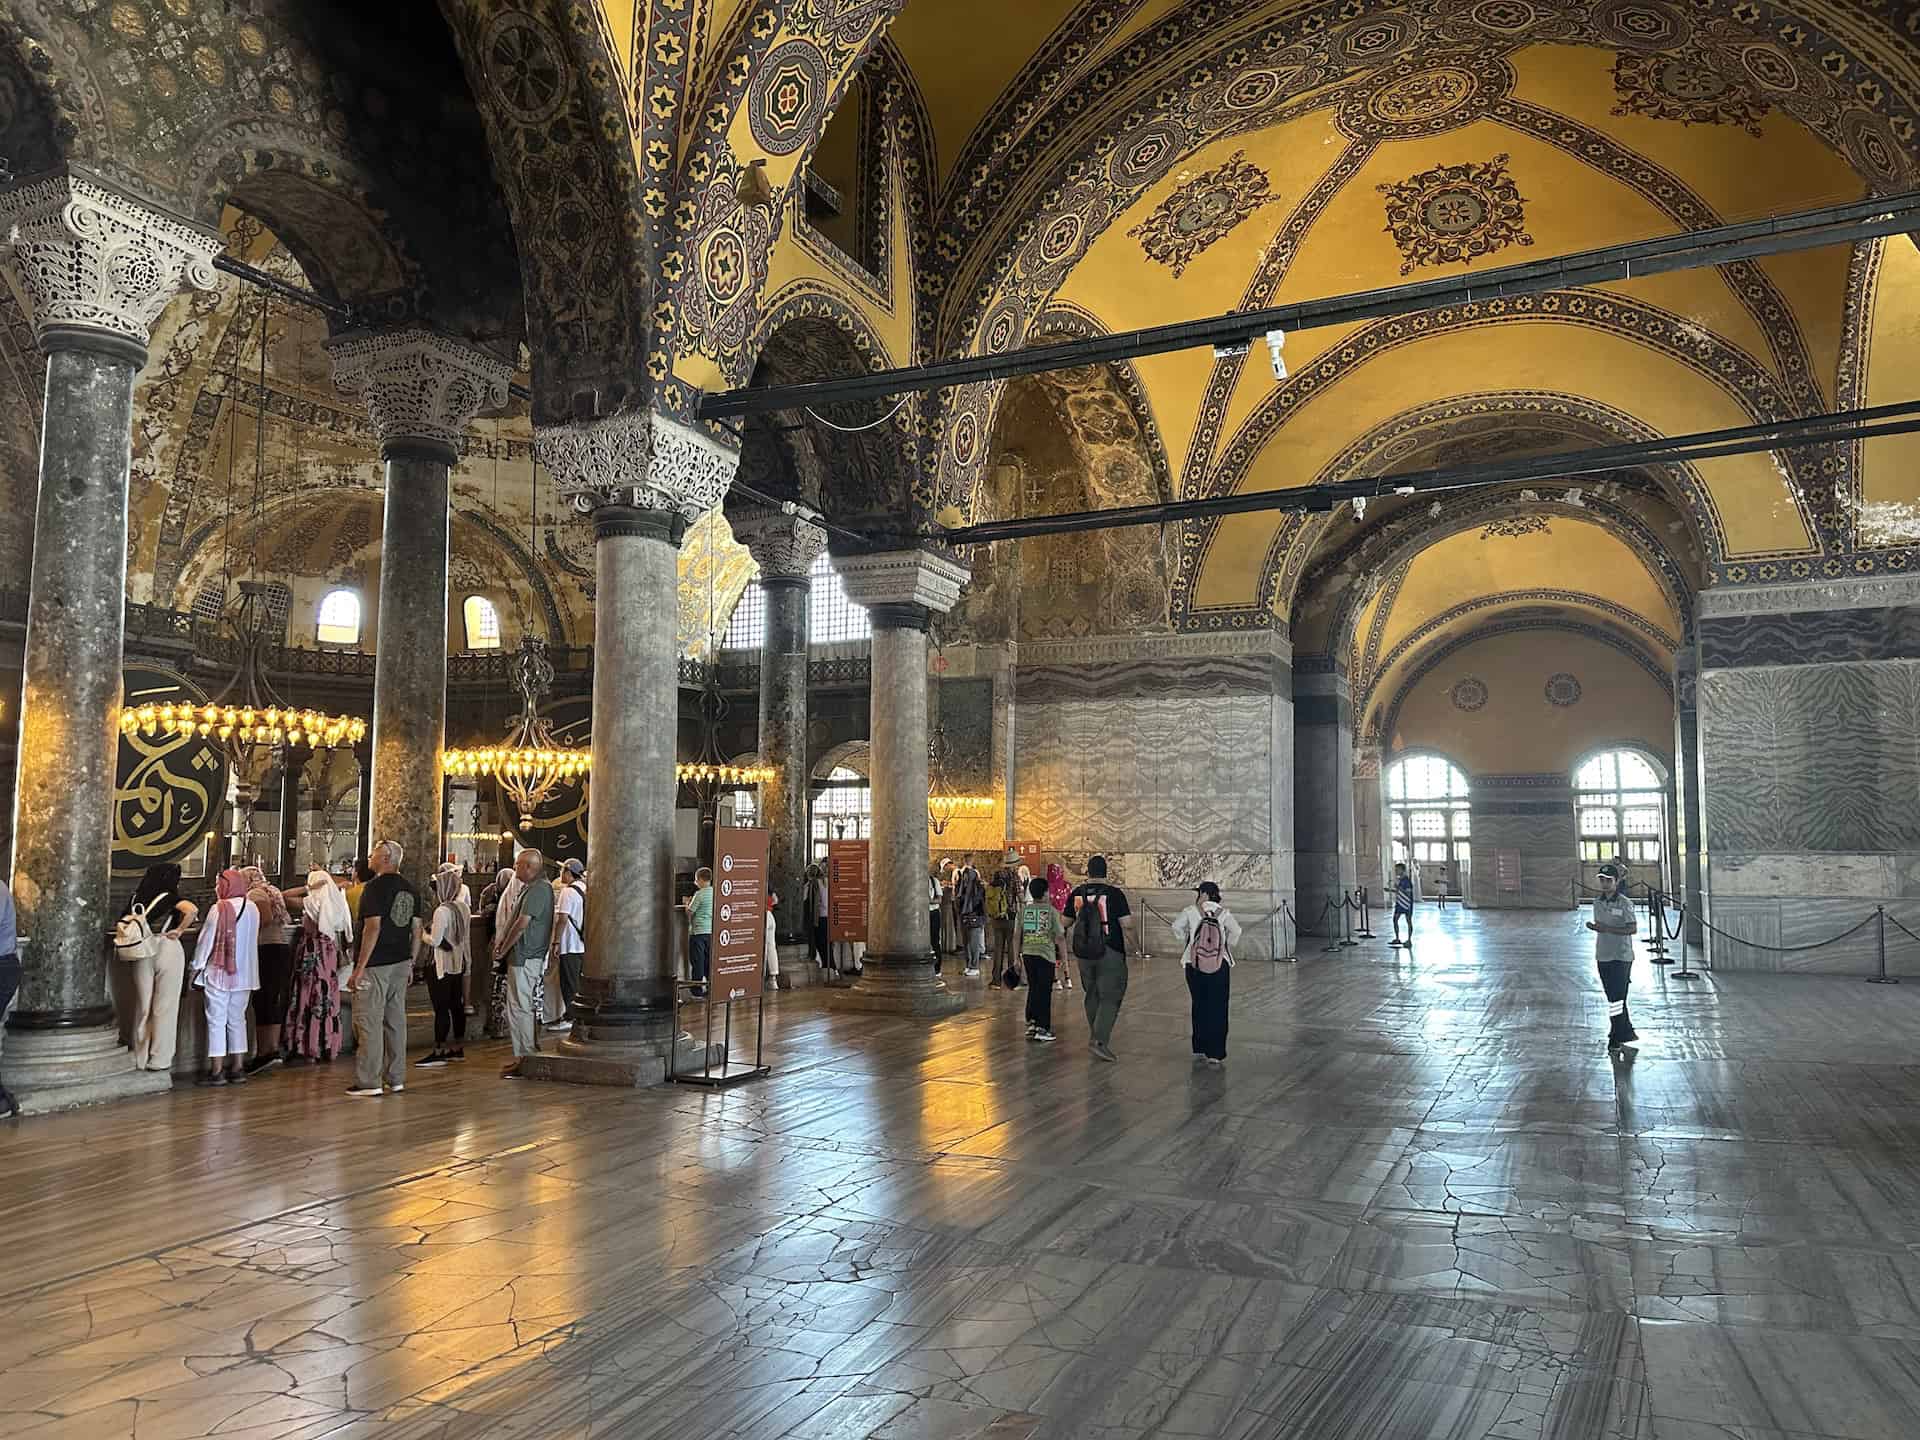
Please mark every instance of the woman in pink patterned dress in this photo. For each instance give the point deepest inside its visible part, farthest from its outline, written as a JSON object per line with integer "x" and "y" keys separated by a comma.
{"x": 326, "y": 934}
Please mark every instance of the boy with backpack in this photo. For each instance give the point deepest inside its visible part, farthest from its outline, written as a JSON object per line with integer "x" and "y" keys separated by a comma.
{"x": 1042, "y": 932}
{"x": 1208, "y": 932}
{"x": 1097, "y": 913}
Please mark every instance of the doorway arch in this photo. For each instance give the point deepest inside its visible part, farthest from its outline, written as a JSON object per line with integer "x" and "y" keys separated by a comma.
{"x": 1622, "y": 812}
{"x": 1429, "y": 819}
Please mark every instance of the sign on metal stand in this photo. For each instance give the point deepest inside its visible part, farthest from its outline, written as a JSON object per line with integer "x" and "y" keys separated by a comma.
{"x": 847, "y": 896}
{"x": 738, "y": 953}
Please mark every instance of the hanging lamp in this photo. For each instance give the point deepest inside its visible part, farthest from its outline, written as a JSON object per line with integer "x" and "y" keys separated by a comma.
{"x": 532, "y": 763}
{"x": 247, "y": 713}
{"x": 711, "y": 772}
{"x": 945, "y": 803}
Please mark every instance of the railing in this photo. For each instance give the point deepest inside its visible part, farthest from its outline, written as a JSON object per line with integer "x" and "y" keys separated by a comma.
{"x": 745, "y": 676}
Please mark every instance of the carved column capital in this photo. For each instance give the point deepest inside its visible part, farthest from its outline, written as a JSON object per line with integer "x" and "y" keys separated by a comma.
{"x": 420, "y": 388}
{"x": 783, "y": 546}
{"x": 639, "y": 460}
{"x": 97, "y": 265}
{"x": 892, "y": 578}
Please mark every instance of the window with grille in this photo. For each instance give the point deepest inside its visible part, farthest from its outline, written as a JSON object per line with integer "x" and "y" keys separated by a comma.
{"x": 841, "y": 811}
{"x": 1622, "y": 803}
{"x": 832, "y": 616}
{"x": 483, "y": 623}
{"x": 338, "y": 622}
{"x": 1428, "y": 819}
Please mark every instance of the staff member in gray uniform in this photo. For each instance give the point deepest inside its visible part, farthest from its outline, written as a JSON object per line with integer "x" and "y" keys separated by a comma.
{"x": 1614, "y": 925}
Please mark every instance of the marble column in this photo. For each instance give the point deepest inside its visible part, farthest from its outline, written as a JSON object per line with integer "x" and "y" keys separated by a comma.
{"x": 785, "y": 547}
{"x": 1324, "y": 832}
{"x": 97, "y": 270}
{"x": 902, "y": 590}
{"x": 1371, "y": 841}
{"x": 421, "y": 391}
{"x": 1688, "y": 821}
{"x": 643, "y": 477}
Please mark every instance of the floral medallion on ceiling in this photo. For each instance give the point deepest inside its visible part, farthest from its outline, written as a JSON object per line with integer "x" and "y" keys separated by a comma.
{"x": 1511, "y": 526}
{"x": 1454, "y": 213}
{"x": 1563, "y": 690}
{"x": 1203, "y": 212}
{"x": 1683, "y": 88}
{"x": 1469, "y": 693}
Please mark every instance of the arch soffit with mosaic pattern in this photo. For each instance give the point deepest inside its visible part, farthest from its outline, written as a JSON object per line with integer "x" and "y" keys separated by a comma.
{"x": 1443, "y": 648}
{"x": 1507, "y": 604}
{"x": 968, "y": 413}
{"x": 1200, "y": 76}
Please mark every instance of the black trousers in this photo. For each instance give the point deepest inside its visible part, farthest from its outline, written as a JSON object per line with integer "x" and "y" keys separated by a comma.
{"x": 1039, "y": 991}
{"x": 449, "y": 994}
{"x": 699, "y": 951}
{"x": 1615, "y": 977}
{"x": 1210, "y": 994}
{"x": 822, "y": 948}
{"x": 933, "y": 935}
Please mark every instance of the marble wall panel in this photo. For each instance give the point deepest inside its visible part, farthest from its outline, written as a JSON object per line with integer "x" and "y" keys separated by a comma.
{"x": 1776, "y": 924}
{"x": 1547, "y": 849}
{"x": 1822, "y": 758}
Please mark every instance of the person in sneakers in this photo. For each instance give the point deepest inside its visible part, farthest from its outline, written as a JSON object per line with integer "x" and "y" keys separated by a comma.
{"x": 1098, "y": 917}
{"x": 1405, "y": 889}
{"x": 1043, "y": 935}
{"x": 450, "y": 939}
{"x": 389, "y": 929}
{"x": 970, "y": 909}
{"x": 1208, "y": 934}
{"x": 569, "y": 937}
{"x": 1614, "y": 925}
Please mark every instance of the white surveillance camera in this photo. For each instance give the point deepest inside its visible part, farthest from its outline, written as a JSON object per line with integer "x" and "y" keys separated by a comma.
{"x": 1276, "y": 342}
{"x": 1359, "y": 508}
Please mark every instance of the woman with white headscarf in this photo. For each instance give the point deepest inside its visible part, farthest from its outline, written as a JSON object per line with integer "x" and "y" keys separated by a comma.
{"x": 450, "y": 939}
{"x": 326, "y": 934}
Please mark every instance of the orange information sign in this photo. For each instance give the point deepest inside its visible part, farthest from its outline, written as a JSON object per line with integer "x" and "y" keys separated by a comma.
{"x": 739, "y": 912}
{"x": 846, "y": 891}
{"x": 1027, "y": 850}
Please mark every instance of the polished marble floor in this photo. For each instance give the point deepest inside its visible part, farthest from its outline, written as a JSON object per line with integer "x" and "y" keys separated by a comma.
{"x": 1420, "y": 1203}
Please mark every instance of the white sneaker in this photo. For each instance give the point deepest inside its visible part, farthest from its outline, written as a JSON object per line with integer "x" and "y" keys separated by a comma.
{"x": 366, "y": 1092}
{"x": 395, "y": 1089}
{"x": 973, "y": 972}
{"x": 560, "y": 1027}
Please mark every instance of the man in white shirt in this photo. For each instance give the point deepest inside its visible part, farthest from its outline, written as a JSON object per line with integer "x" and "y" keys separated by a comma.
{"x": 570, "y": 936}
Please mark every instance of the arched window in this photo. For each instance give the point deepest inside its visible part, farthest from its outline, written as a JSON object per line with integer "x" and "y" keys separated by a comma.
{"x": 483, "y": 623}
{"x": 832, "y": 616}
{"x": 339, "y": 619}
{"x": 1428, "y": 818}
{"x": 1622, "y": 803}
{"x": 842, "y": 810}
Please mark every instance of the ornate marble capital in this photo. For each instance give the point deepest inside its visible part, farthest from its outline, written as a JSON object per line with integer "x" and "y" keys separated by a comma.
{"x": 903, "y": 577}
{"x": 419, "y": 386}
{"x": 91, "y": 259}
{"x": 783, "y": 546}
{"x": 641, "y": 460}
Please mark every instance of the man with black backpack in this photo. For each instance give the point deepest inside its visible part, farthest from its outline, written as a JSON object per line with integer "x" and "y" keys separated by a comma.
{"x": 1096, "y": 917}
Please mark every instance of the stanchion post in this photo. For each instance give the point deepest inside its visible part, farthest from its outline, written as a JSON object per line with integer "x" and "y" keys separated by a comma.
{"x": 1686, "y": 971}
{"x": 1365, "y": 932}
{"x": 1880, "y": 928}
{"x": 1657, "y": 913}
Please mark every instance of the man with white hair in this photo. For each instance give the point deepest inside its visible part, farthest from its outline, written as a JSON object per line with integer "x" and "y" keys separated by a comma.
{"x": 389, "y": 927}
{"x": 522, "y": 944}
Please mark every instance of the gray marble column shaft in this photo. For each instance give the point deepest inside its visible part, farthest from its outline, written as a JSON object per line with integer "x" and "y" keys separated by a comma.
{"x": 633, "y": 947}
{"x": 410, "y": 666}
{"x": 71, "y": 696}
{"x": 1323, "y": 818}
{"x": 783, "y": 742}
{"x": 901, "y": 590}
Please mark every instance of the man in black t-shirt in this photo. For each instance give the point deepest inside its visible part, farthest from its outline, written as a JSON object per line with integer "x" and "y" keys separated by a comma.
{"x": 389, "y": 925}
{"x": 1104, "y": 978}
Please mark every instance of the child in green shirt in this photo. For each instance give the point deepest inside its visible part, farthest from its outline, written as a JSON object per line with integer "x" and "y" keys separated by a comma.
{"x": 1041, "y": 935}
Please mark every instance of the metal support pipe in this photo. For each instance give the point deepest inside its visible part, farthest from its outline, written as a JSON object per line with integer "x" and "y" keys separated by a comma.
{"x": 1900, "y": 418}
{"x": 1692, "y": 250}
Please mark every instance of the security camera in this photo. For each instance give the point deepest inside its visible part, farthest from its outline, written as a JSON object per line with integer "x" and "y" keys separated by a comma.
{"x": 1359, "y": 508}
{"x": 1276, "y": 342}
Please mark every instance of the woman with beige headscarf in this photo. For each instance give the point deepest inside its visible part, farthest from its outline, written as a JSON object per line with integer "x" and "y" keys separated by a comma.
{"x": 326, "y": 934}
{"x": 226, "y": 967}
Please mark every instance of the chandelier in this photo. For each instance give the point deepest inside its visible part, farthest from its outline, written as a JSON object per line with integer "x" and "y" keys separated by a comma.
{"x": 532, "y": 763}
{"x": 246, "y": 713}
{"x": 945, "y": 804}
{"x": 709, "y": 774}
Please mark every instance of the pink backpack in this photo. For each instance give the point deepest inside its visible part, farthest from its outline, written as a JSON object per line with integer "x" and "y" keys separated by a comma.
{"x": 1209, "y": 950}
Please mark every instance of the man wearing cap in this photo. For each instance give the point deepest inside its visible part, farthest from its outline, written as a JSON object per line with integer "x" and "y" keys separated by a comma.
{"x": 570, "y": 936}
{"x": 1003, "y": 912}
{"x": 1614, "y": 924}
